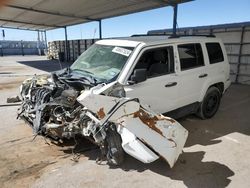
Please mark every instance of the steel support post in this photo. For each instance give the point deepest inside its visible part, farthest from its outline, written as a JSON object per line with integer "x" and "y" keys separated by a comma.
{"x": 100, "y": 29}
{"x": 175, "y": 19}
{"x": 45, "y": 37}
{"x": 66, "y": 44}
{"x": 38, "y": 43}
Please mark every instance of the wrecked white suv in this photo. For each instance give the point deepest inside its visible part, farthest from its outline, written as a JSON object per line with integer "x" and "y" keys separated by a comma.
{"x": 115, "y": 91}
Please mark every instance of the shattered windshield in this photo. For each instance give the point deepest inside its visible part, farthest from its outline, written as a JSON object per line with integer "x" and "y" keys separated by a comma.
{"x": 102, "y": 62}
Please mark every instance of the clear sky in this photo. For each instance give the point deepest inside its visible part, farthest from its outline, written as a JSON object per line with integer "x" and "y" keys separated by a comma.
{"x": 196, "y": 13}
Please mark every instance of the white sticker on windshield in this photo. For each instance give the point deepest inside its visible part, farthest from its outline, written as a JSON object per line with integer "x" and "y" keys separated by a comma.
{"x": 122, "y": 51}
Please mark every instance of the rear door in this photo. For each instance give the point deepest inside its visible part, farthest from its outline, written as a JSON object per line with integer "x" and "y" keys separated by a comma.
{"x": 192, "y": 74}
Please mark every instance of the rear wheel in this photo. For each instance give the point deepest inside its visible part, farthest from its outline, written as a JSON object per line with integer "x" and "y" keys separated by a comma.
{"x": 210, "y": 103}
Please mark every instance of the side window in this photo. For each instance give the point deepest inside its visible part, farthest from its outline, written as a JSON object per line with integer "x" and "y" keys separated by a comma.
{"x": 214, "y": 53}
{"x": 157, "y": 62}
{"x": 191, "y": 56}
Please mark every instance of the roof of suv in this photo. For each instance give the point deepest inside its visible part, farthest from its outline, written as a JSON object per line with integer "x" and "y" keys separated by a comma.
{"x": 155, "y": 40}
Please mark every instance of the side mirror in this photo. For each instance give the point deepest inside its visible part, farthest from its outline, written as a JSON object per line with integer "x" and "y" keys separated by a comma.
{"x": 139, "y": 75}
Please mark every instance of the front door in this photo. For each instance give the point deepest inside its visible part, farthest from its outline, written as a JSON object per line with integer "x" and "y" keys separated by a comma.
{"x": 160, "y": 90}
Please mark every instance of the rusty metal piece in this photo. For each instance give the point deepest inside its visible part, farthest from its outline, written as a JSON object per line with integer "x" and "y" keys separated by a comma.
{"x": 13, "y": 99}
{"x": 147, "y": 120}
{"x": 101, "y": 114}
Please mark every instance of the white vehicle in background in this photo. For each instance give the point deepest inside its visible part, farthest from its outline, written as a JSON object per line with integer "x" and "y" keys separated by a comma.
{"x": 115, "y": 91}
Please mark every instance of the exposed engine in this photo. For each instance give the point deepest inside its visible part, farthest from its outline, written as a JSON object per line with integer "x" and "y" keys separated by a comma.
{"x": 51, "y": 108}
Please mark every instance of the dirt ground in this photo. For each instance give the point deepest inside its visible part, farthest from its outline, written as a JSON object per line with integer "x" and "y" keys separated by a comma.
{"x": 216, "y": 154}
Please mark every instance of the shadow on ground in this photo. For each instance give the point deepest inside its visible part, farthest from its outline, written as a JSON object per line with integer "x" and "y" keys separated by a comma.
{"x": 46, "y": 65}
{"x": 232, "y": 117}
{"x": 189, "y": 168}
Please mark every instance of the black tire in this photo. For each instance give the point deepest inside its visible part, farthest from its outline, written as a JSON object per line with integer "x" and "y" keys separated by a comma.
{"x": 115, "y": 153}
{"x": 210, "y": 103}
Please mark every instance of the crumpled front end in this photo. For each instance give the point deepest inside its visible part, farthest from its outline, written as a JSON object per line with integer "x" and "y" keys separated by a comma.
{"x": 145, "y": 135}
{"x": 61, "y": 106}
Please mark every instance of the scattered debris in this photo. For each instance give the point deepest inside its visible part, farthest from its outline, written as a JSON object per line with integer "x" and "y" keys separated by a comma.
{"x": 13, "y": 99}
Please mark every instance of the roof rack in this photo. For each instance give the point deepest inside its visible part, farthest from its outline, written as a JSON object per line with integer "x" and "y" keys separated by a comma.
{"x": 146, "y": 35}
{"x": 179, "y": 36}
{"x": 171, "y": 36}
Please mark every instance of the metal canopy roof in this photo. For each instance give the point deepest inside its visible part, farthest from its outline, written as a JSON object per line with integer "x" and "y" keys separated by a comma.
{"x": 50, "y": 14}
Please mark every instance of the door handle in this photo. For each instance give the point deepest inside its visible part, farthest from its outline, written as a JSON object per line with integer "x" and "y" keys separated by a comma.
{"x": 202, "y": 75}
{"x": 170, "y": 84}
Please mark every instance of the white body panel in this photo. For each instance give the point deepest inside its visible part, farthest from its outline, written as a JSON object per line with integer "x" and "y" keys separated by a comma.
{"x": 190, "y": 86}
{"x": 154, "y": 93}
{"x": 135, "y": 147}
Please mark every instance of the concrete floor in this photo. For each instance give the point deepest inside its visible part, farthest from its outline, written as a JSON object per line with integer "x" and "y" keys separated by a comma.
{"x": 216, "y": 154}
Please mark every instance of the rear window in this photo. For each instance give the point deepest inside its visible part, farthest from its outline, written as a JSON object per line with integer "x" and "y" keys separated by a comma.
{"x": 214, "y": 53}
{"x": 191, "y": 56}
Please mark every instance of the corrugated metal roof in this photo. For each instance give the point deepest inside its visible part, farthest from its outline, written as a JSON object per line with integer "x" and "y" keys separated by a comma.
{"x": 51, "y": 14}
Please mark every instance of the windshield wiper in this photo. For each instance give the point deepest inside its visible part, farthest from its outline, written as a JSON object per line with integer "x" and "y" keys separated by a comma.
{"x": 81, "y": 70}
{"x": 93, "y": 79}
